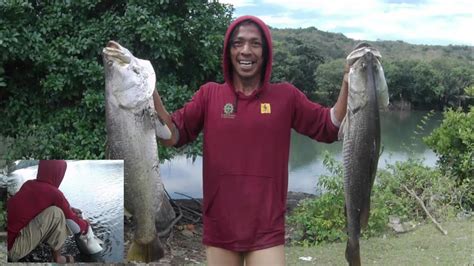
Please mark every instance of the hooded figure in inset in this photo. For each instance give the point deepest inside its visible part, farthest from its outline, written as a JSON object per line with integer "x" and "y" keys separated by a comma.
{"x": 39, "y": 212}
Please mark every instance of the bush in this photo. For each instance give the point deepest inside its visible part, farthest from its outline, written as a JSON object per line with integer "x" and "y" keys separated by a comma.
{"x": 453, "y": 142}
{"x": 51, "y": 75}
{"x": 322, "y": 219}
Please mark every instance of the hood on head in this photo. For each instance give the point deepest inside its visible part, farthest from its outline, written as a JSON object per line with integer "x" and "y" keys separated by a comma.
{"x": 227, "y": 63}
{"x": 51, "y": 171}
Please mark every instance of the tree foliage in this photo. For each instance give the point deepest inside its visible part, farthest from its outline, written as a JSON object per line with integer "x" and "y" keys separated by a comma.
{"x": 453, "y": 142}
{"x": 322, "y": 219}
{"x": 424, "y": 84}
{"x": 426, "y": 76}
{"x": 51, "y": 75}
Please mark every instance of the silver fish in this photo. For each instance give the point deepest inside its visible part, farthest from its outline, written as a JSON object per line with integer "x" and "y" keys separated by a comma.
{"x": 361, "y": 133}
{"x": 132, "y": 127}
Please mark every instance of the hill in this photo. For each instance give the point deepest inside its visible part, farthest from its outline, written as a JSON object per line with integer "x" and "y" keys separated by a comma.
{"x": 337, "y": 45}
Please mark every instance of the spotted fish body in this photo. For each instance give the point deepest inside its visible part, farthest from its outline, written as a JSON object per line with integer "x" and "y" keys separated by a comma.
{"x": 361, "y": 140}
{"x": 132, "y": 127}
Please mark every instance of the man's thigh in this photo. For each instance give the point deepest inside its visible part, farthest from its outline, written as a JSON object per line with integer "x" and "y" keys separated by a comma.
{"x": 39, "y": 229}
{"x": 219, "y": 256}
{"x": 269, "y": 256}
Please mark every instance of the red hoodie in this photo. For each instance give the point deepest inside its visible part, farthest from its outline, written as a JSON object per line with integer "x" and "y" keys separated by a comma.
{"x": 246, "y": 151}
{"x": 36, "y": 195}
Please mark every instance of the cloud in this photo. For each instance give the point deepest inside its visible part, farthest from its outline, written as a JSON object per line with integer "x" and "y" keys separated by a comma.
{"x": 419, "y": 21}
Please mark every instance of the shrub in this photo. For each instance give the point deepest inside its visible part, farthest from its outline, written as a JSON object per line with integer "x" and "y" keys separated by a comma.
{"x": 453, "y": 142}
{"x": 322, "y": 219}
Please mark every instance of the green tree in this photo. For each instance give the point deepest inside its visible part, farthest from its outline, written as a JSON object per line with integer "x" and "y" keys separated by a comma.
{"x": 453, "y": 142}
{"x": 295, "y": 61}
{"x": 328, "y": 79}
{"x": 51, "y": 75}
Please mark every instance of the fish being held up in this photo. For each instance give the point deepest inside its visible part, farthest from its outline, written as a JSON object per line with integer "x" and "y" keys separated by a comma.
{"x": 360, "y": 130}
{"x": 132, "y": 127}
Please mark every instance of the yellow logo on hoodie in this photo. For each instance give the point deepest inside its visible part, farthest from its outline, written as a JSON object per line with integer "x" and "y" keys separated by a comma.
{"x": 265, "y": 108}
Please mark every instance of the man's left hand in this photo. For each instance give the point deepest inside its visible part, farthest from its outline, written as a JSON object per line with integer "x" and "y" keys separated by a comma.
{"x": 77, "y": 212}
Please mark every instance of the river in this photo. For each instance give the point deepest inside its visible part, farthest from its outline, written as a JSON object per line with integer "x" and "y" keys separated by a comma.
{"x": 96, "y": 188}
{"x": 399, "y": 142}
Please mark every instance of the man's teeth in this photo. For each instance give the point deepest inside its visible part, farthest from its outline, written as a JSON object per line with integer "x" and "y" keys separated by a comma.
{"x": 245, "y": 62}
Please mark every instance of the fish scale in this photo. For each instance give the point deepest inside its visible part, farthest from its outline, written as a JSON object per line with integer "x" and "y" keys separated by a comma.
{"x": 132, "y": 127}
{"x": 361, "y": 136}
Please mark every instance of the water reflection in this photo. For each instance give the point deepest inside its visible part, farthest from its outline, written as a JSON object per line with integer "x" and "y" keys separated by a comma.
{"x": 96, "y": 188}
{"x": 399, "y": 142}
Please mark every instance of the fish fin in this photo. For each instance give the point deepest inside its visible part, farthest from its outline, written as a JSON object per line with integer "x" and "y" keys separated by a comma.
{"x": 161, "y": 130}
{"x": 152, "y": 251}
{"x": 364, "y": 214}
{"x": 353, "y": 252}
{"x": 343, "y": 128}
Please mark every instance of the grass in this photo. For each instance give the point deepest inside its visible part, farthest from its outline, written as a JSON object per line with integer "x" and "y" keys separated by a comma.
{"x": 423, "y": 246}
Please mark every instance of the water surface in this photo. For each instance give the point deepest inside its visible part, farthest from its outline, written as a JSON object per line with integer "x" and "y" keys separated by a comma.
{"x": 401, "y": 139}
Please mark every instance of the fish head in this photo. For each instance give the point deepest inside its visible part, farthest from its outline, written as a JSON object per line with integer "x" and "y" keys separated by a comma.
{"x": 130, "y": 80}
{"x": 360, "y": 59}
{"x": 115, "y": 53}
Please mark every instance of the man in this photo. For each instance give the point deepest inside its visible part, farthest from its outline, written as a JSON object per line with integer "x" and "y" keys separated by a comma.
{"x": 39, "y": 212}
{"x": 247, "y": 125}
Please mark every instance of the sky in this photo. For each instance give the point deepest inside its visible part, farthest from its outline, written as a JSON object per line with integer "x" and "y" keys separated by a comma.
{"x": 432, "y": 22}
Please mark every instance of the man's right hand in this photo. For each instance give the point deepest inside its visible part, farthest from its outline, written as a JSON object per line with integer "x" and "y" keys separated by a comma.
{"x": 77, "y": 212}
{"x": 165, "y": 117}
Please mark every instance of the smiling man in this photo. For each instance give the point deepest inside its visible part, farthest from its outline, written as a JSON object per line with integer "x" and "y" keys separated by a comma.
{"x": 247, "y": 124}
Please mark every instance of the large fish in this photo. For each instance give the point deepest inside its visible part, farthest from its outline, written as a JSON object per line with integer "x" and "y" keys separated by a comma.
{"x": 361, "y": 132}
{"x": 132, "y": 127}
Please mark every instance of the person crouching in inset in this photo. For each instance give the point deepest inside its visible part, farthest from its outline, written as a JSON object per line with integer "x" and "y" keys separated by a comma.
{"x": 40, "y": 213}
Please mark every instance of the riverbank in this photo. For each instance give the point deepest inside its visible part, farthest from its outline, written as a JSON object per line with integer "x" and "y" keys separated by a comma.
{"x": 423, "y": 246}
{"x": 183, "y": 245}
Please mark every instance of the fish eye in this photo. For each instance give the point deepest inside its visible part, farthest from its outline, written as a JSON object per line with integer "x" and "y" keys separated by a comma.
{"x": 135, "y": 70}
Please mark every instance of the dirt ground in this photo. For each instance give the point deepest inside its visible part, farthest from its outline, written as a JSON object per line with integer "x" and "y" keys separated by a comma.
{"x": 183, "y": 245}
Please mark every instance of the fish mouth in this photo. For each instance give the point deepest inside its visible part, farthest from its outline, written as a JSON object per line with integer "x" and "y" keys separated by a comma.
{"x": 116, "y": 52}
{"x": 113, "y": 44}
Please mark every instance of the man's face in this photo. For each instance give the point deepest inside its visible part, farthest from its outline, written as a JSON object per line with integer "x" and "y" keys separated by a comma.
{"x": 246, "y": 53}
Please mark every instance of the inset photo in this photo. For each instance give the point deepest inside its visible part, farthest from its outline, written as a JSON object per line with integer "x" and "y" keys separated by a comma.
{"x": 64, "y": 211}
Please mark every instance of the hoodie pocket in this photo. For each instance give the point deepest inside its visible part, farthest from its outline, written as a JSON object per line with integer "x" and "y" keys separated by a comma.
{"x": 242, "y": 206}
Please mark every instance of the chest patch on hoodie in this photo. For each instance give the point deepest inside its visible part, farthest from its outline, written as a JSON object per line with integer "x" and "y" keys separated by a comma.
{"x": 228, "y": 111}
{"x": 265, "y": 108}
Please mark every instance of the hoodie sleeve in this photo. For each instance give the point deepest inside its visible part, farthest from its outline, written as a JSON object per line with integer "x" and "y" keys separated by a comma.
{"x": 62, "y": 203}
{"x": 189, "y": 120}
{"x": 312, "y": 119}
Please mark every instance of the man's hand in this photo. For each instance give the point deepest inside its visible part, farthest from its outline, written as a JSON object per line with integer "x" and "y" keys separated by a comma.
{"x": 346, "y": 73}
{"x": 77, "y": 212}
{"x": 166, "y": 118}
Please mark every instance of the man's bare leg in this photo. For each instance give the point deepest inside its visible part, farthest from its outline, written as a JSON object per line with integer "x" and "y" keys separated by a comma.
{"x": 274, "y": 256}
{"x": 218, "y": 256}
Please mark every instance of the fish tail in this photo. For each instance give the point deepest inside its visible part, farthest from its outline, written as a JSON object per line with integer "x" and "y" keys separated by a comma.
{"x": 149, "y": 252}
{"x": 353, "y": 252}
